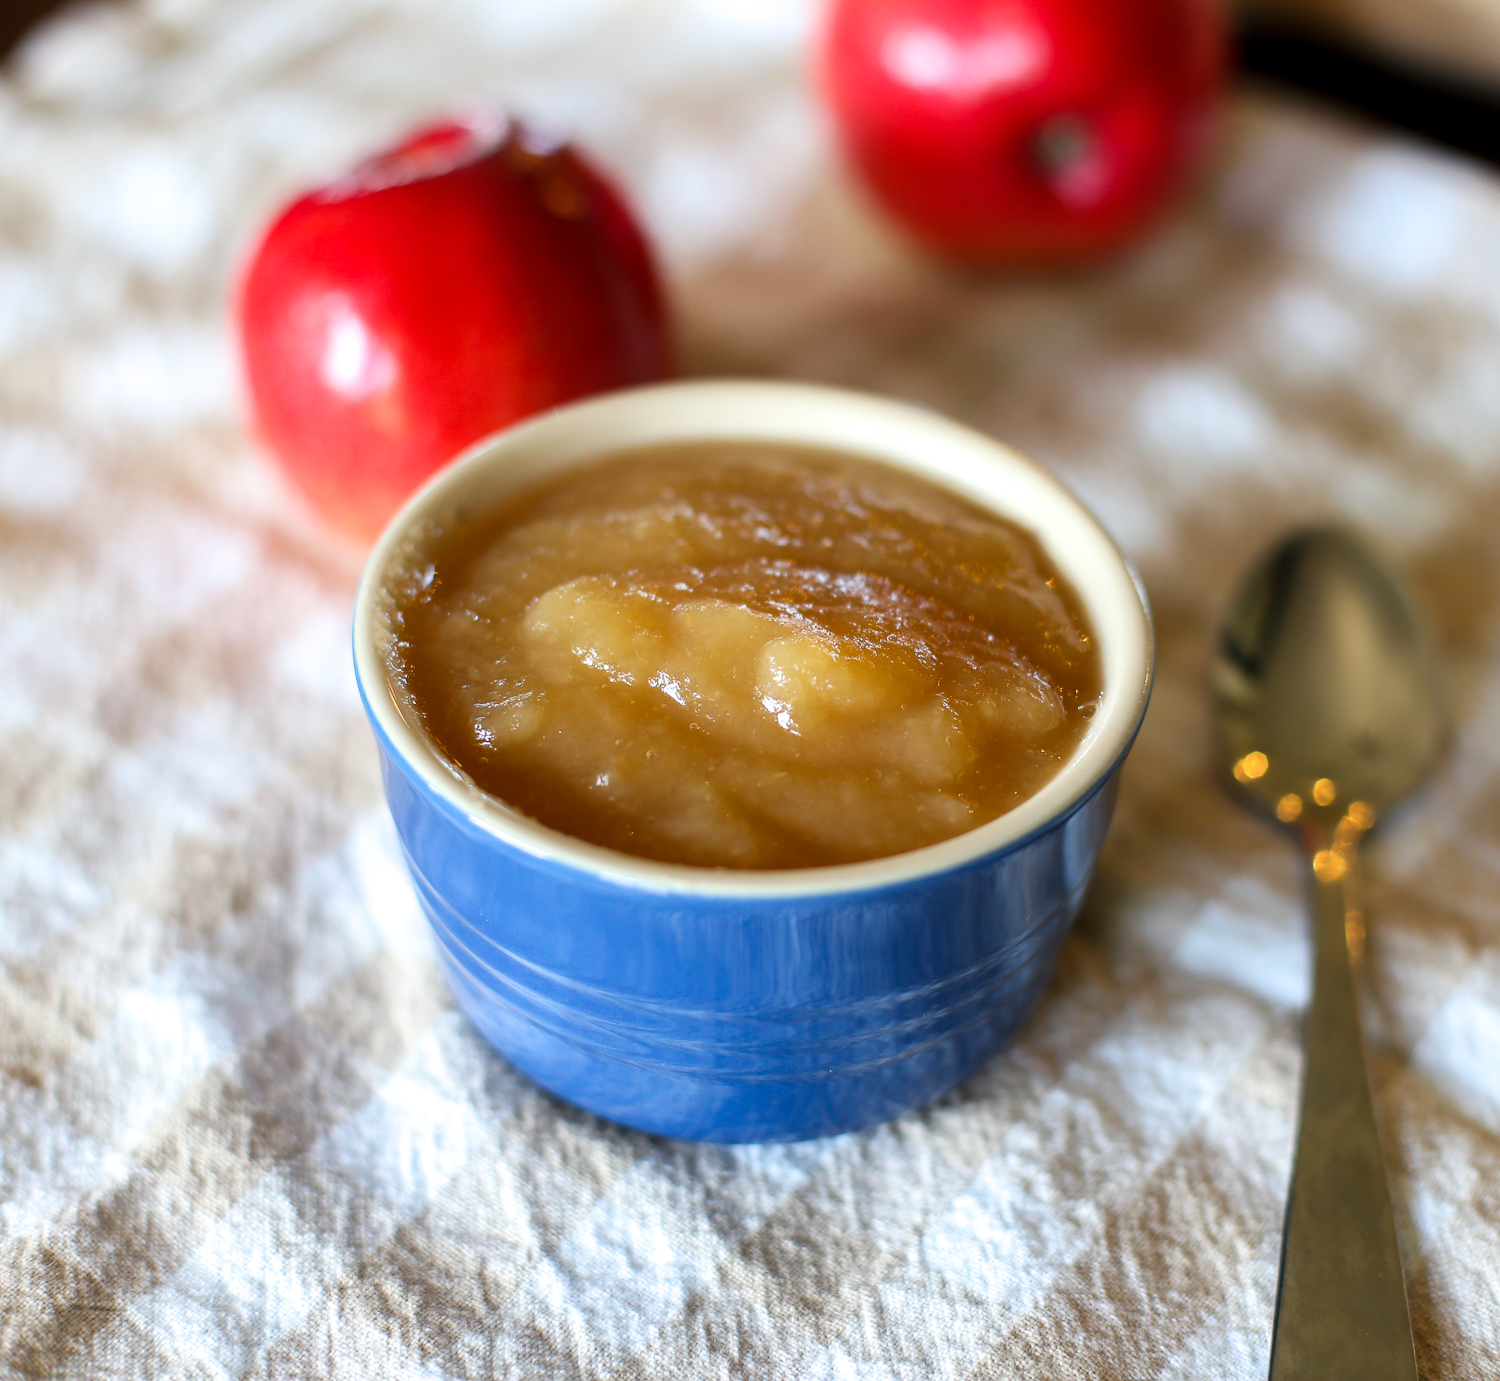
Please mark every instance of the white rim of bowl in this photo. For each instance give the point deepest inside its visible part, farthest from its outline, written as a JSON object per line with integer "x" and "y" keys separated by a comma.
{"x": 911, "y": 438}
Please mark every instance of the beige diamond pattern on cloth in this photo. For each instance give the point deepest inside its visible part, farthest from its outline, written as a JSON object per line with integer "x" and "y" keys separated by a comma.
{"x": 243, "y": 1132}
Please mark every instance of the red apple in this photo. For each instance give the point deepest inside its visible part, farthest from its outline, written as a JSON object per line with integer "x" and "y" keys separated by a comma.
{"x": 1023, "y": 131}
{"x": 473, "y": 275}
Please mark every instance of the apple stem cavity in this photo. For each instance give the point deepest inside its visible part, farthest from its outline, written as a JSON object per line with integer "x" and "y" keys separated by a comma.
{"x": 1068, "y": 153}
{"x": 430, "y": 152}
{"x": 1062, "y": 145}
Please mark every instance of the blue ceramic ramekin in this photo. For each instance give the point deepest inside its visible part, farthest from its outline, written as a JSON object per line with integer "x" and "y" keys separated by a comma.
{"x": 725, "y": 1005}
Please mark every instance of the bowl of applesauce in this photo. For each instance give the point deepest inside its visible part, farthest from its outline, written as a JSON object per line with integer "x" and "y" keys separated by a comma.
{"x": 750, "y": 745}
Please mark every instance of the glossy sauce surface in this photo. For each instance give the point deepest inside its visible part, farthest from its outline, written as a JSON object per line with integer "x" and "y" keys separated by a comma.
{"x": 745, "y": 655}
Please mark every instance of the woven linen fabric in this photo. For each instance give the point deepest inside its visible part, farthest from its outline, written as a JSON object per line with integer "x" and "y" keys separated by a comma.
{"x": 243, "y": 1131}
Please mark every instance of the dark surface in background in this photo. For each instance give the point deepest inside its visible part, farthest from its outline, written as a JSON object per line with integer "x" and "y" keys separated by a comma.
{"x": 16, "y": 16}
{"x": 1448, "y": 111}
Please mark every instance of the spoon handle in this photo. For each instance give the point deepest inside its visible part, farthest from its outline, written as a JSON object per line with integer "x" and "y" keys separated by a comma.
{"x": 1341, "y": 1307}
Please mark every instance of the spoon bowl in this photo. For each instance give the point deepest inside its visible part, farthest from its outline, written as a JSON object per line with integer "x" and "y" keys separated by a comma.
{"x": 1325, "y": 675}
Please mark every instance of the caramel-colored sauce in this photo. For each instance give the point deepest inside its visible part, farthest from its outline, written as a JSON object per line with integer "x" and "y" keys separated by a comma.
{"x": 746, "y": 655}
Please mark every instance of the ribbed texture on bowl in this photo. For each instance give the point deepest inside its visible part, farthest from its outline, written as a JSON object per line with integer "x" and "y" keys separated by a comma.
{"x": 718, "y": 1020}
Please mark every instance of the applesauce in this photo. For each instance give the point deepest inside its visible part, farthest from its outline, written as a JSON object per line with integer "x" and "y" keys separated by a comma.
{"x": 744, "y": 655}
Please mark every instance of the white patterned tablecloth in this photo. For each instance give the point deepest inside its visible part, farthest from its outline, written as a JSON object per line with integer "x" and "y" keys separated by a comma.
{"x": 243, "y": 1131}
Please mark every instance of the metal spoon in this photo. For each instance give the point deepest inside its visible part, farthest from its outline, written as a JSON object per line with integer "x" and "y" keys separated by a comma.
{"x": 1328, "y": 715}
